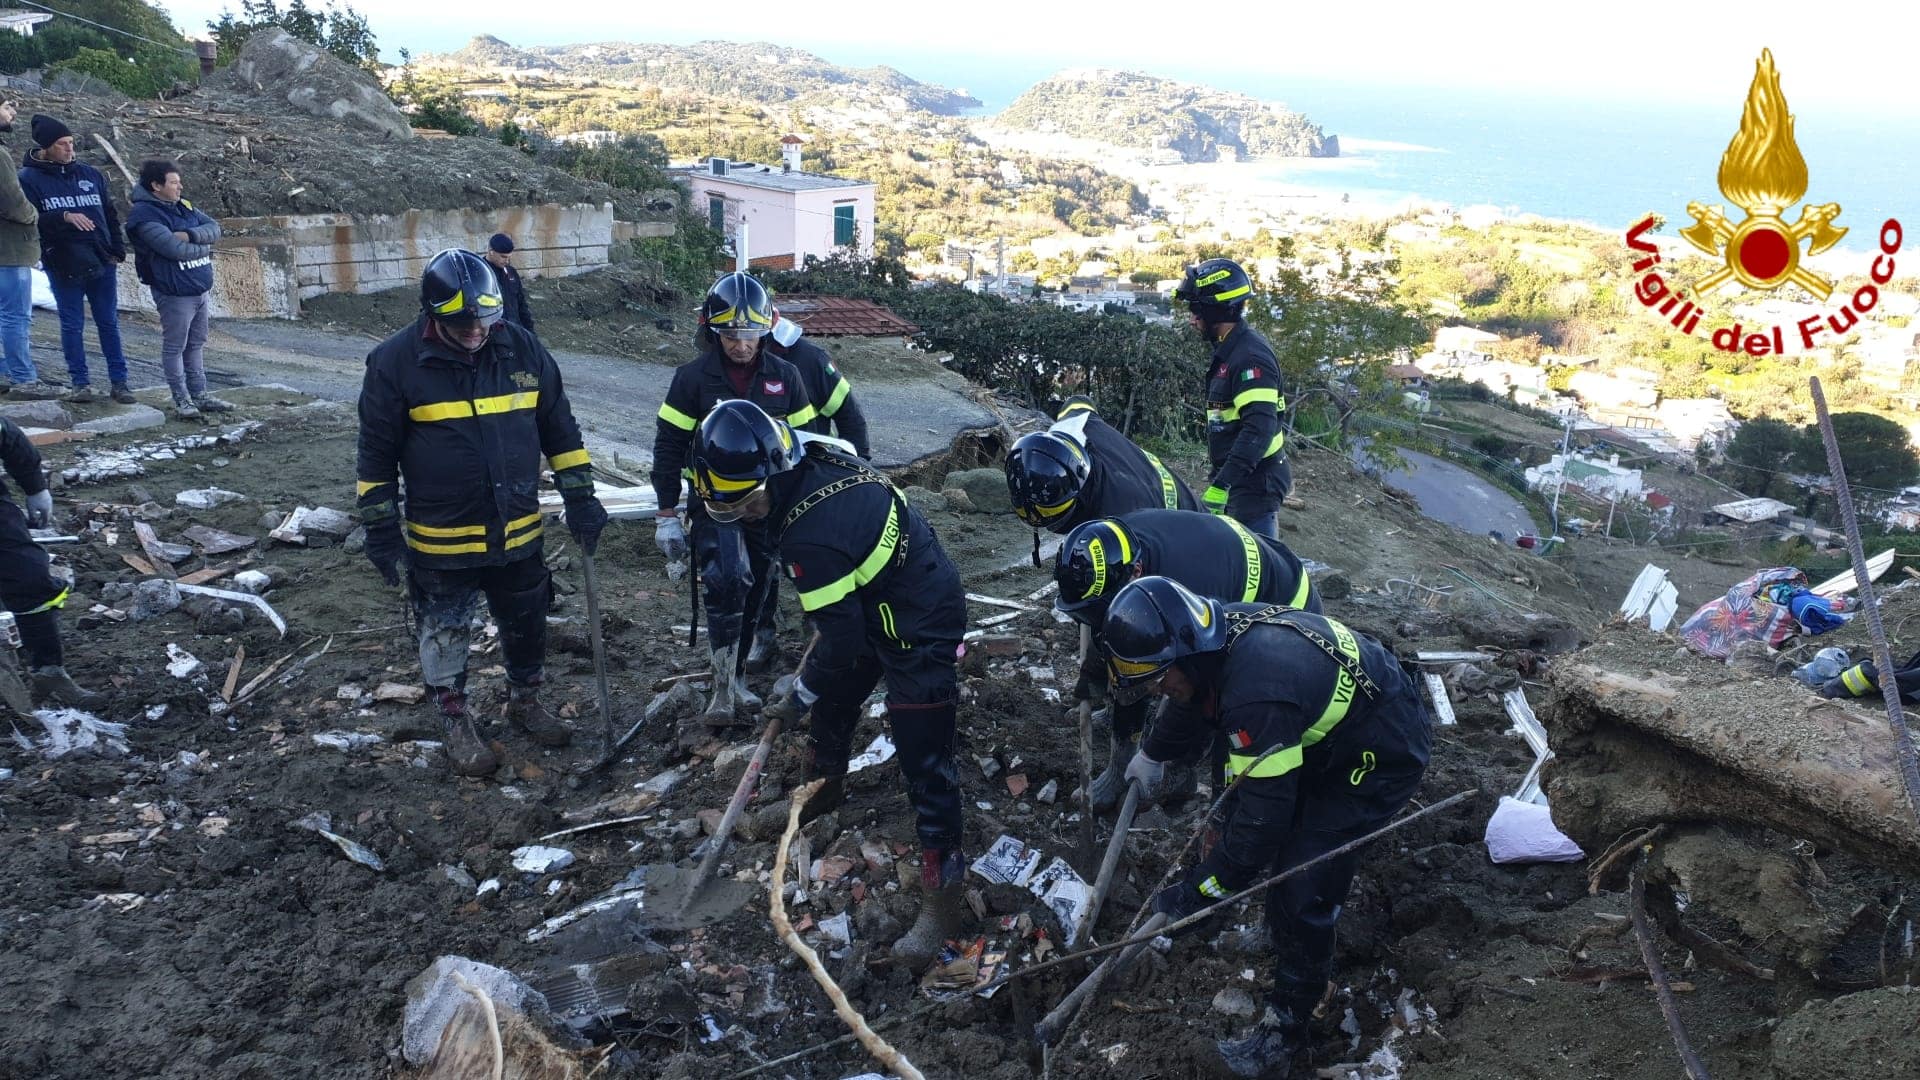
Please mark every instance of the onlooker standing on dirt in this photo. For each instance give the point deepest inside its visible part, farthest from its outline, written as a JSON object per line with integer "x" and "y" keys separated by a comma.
{"x": 173, "y": 254}
{"x": 19, "y": 250}
{"x": 80, "y": 245}
{"x": 29, "y": 590}
{"x": 499, "y": 255}
{"x": 462, "y": 407}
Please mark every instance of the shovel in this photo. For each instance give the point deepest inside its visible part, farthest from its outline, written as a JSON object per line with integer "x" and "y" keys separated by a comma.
{"x": 599, "y": 656}
{"x": 1108, "y": 865}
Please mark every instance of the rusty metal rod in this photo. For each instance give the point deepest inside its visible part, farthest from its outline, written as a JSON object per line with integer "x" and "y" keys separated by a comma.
{"x": 1904, "y": 756}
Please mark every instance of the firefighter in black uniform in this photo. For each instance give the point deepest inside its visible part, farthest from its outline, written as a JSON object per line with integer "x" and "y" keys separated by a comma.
{"x": 1327, "y": 741}
{"x": 27, "y": 584}
{"x": 460, "y": 407}
{"x": 885, "y": 600}
{"x": 836, "y": 410}
{"x": 1245, "y": 444}
{"x": 1081, "y": 469}
{"x": 1214, "y": 556}
{"x": 735, "y": 558}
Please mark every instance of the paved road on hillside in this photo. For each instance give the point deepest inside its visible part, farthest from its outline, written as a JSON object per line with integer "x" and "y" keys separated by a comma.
{"x": 615, "y": 399}
{"x": 1457, "y": 496}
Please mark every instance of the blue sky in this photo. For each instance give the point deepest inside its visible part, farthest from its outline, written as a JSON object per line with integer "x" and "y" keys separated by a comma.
{"x": 1648, "y": 52}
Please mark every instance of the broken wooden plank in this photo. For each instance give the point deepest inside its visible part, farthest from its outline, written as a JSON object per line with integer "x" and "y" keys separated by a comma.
{"x": 139, "y": 564}
{"x": 1442, "y": 704}
{"x": 150, "y": 543}
{"x": 996, "y": 620}
{"x": 56, "y": 436}
{"x": 249, "y": 599}
{"x": 132, "y": 182}
{"x": 994, "y": 601}
{"x": 1467, "y": 657}
{"x": 211, "y": 573}
{"x": 233, "y": 674}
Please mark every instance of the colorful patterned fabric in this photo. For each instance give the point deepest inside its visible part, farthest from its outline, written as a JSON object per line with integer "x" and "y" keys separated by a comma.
{"x": 1749, "y": 612}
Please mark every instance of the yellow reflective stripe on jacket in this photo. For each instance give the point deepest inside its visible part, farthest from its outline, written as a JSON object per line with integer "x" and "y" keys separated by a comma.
{"x": 425, "y": 548}
{"x": 525, "y": 537}
{"x": 1279, "y": 440}
{"x": 677, "y": 418}
{"x": 486, "y": 406}
{"x": 1169, "y": 491}
{"x": 1250, "y": 550}
{"x": 446, "y": 531}
{"x": 569, "y": 460}
{"x": 834, "y": 400}
{"x": 522, "y": 522}
{"x": 1256, "y": 395}
{"x": 1855, "y": 679}
{"x": 58, "y": 601}
{"x": 1300, "y": 594}
{"x": 1286, "y": 759}
{"x": 361, "y": 487}
{"x": 869, "y": 568}
{"x": 1212, "y": 889}
{"x": 801, "y": 417}
{"x": 1225, "y": 413}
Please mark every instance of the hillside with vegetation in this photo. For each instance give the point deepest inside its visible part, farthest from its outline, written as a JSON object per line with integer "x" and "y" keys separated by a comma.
{"x": 1199, "y": 123}
{"x": 759, "y": 72}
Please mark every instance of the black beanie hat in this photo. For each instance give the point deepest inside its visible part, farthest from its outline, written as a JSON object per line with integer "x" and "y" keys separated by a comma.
{"x": 47, "y": 131}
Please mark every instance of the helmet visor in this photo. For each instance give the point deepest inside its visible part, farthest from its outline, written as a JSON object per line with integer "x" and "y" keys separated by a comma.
{"x": 741, "y": 333}
{"x": 1043, "y": 515}
{"x": 746, "y": 506}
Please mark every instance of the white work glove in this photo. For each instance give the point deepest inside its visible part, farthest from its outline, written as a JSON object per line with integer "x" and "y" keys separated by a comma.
{"x": 791, "y": 700}
{"x": 1150, "y": 773}
{"x": 40, "y": 509}
{"x": 670, "y": 538}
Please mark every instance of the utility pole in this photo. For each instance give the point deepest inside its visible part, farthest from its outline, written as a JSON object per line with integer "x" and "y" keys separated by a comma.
{"x": 740, "y": 247}
{"x": 1566, "y": 439}
{"x": 1000, "y": 264}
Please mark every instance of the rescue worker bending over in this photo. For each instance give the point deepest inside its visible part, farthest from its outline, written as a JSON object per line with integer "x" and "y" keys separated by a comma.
{"x": 1327, "y": 741}
{"x": 1215, "y": 557}
{"x": 836, "y": 410}
{"x": 27, "y": 584}
{"x": 885, "y": 601}
{"x": 1245, "y": 444}
{"x": 459, "y": 408}
{"x": 1082, "y": 468}
{"x": 735, "y": 558}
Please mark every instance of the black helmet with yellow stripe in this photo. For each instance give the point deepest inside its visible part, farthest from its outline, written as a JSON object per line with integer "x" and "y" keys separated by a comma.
{"x": 1045, "y": 472}
{"x": 1155, "y": 622}
{"x": 736, "y": 450}
{"x": 458, "y": 288}
{"x": 738, "y": 306}
{"x": 1215, "y": 289}
{"x": 1095, "y": 561}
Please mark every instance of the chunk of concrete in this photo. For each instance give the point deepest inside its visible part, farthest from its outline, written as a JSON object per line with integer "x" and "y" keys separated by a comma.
{"x": 277, "y": 64}
{"x": 207, "y": 498}
{"x": 433, "y": 996}
{"x": 124, "y": 419}
{"x": 43, "y": 414}
{"x": 153, "y": 598}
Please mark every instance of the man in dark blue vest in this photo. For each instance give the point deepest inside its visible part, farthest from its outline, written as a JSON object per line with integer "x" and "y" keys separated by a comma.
{"x": 173, "y": 253}
{"x": 80, "y": 247}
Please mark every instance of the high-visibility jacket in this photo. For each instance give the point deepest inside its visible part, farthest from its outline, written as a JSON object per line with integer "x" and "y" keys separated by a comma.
{"x": 1244, "y": 406}
{"x": 697, "y": 387}
{"x": 836, "y": 410}
{"x": 1121, "y": 477}
{"x": 465, "y": 435}
{"x": 862, "y": 561}
{"x": 1299, "y": 725}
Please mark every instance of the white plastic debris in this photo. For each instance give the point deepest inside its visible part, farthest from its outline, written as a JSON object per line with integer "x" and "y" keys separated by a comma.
{"x": 487, "y": 888}
{"x": 207, "y": 498}
{"x": 879, "y": 751}
{"x": 252, "y": 582}
{"x": 347, "y": 740}
{"x": 74, "y": 731}
{"x": 1522, "y": 832}
{"x": 321, "y": 822}
{"x": 536, "y": 859}
{"x": 157, "y": 712}
{"x": 838, "y": 929}
{"x": 182, "y": 664}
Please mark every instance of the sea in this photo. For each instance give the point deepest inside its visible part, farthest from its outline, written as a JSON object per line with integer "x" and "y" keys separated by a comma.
{"x": 1595, "y": 159}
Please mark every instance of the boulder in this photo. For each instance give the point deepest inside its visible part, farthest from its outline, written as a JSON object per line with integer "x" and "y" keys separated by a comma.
{"x": 986, "y": 489}
{"x": 45, "y": 414}
{"x": 314, "y": 81}
{"x": 927, "y": 502}
{"x": 153, "y": 598}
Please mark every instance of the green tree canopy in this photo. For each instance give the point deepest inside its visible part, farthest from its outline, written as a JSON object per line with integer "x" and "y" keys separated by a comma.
{"x": 338, "y": 28}
{"x": 1874, "y": 449}
{"x": 1759, "y": 452}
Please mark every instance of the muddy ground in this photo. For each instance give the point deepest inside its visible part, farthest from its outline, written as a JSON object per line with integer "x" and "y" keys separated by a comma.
{"x": 161, "y": 918}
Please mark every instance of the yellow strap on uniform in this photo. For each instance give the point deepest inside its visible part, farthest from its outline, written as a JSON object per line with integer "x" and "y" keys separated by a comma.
{"x": 1256, "y": 395}
{"x": 1279, "y": 440}
{"x": 1249, "y": 550}
{"x": 1226, "y": 413}
{"x": 569, "y": 460}
{"x": 1855, "y": 679}
{"x": 519, "y": 523}
{"x": 526, "y": 537}
{"x": 802, "y": 416}
{"x": 440, "y": 410}
{"x": 361, "y": 487}
{"x": 834, "y": 400}
{"x": 425, "y": 548}
{"x": 1283, "y": 761}
{"x": 446, "y": 531}
{"x": 502, "y": 403}
{"x": 677, "y": 418}
{"x": 1212, "y": 889}
{"x": 58, "y": 601}
{"x": 1169, "y": 491}
{"x": 869, "y": 568}
{"x": 1300, "y": 594}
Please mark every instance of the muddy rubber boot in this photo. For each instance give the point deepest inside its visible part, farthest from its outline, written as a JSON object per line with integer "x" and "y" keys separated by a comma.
{"x": 744, "y": 699}
{"x": 55, "y": 685}
{"x": 467, "y": 755}
{"x": 531, "y": 718}
{"x": 765, "y": 650}
{"x": 1111, "y": 785}
{"x": 721, "y": 710}
{"x": 940, "y": 879}
{"x": 1266, "y": 1051}
{"x": 123, "y": 394}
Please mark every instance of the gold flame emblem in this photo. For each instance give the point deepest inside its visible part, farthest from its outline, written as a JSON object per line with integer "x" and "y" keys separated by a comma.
{"x": 1763, "y": 173}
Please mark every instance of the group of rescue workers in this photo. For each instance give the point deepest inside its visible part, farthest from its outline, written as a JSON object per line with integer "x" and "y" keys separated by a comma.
{"x": 1194, "y": 600}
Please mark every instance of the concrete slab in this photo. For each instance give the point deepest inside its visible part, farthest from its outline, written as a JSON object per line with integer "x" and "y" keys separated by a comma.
{"x": 40, "y": 414}
{"x": 123, "y": 419}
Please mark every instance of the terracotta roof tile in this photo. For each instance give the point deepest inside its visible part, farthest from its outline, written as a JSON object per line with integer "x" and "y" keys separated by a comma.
{"x": 841, "y": 316}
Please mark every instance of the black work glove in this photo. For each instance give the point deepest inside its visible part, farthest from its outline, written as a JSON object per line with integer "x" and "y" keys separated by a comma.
{"x": 585, "y": 518}
{"x": 1197, "y": 889}
{"x": 385, "y": 549}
